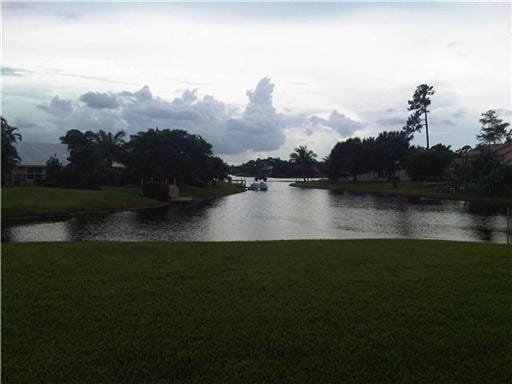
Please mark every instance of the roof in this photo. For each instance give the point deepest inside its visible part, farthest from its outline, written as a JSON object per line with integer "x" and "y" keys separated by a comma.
{"x": 37, "y": 154}
{"x": 503, "y": 151}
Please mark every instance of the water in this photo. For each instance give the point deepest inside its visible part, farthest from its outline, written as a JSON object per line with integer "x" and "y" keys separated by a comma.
{"x": 283, "y": 213}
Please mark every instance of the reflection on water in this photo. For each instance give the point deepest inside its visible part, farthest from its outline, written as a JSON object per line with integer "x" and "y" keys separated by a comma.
{"x": 283, "y": 213}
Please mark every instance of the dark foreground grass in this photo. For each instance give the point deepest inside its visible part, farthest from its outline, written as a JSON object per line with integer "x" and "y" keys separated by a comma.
{"x": 285, "y": 312}
{"x": 404, "y": 188}
{"x": 19, "y": 202}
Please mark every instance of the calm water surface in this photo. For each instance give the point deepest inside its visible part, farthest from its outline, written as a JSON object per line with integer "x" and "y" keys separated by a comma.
{"x": 283, "y": 212}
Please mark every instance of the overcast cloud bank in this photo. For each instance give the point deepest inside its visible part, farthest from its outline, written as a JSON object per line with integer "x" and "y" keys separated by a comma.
{"x": 259, "y": 127}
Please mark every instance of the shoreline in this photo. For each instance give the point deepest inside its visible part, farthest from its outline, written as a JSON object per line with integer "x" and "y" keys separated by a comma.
{"x": 393, "y": 193}
{"x": 51, "y": 216}
{"x": 194, "y": 202}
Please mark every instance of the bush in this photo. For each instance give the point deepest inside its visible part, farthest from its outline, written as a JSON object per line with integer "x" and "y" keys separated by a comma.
{"x": 428, "y": 164}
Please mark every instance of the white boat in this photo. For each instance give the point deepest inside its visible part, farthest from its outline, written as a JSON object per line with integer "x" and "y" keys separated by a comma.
{"x": 258, "y": 186}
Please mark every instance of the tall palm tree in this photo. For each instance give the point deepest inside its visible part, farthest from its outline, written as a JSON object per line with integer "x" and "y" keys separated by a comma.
{"x": 9, "y": 154}
{"x": 304, "y": 159}
{"x": 110, "y": 144}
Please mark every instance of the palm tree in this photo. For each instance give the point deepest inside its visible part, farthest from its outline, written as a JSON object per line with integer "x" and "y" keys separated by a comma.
{"x": 110, "y": 144}
{"x": 9, "y": 154}
{"x": 304, "y": 159}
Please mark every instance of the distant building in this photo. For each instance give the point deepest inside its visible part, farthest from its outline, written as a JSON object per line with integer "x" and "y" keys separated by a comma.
{"x": 503, "y": 153}
{"x": 32, "y": 167}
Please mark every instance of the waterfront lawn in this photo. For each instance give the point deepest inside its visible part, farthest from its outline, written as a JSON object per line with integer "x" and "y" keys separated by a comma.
{"x": 394, "y": 311}
{"x": 210, "y": 192}
{"x": 41, "y": 201}
{"x": 404, "y": 188}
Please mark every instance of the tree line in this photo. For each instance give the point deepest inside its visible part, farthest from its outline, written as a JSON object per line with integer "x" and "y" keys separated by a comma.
{"x": 390, "y": 151}
{"x": 104, "y": 158}
{"x": 163, "y": 154}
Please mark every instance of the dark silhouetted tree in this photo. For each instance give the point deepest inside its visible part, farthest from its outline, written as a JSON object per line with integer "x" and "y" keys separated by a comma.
{"x": 110, "y": 145}
{"x": 419, "y": 107}
{"x": 169, "y": 154}
{"x": 494, "y": 129}
{"x": 10, "y": 158}
{"x": 391, "y": 150}
{"x": 304, "y": 159}
{"x": 429, "y": 164}
{"x": 347, "y": 157}
{"x": 87, "y": 165}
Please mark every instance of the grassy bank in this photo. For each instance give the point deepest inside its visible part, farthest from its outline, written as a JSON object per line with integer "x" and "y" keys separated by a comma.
{"x": 285, "y": 312}
{"x": 34, "y": 202}
{"x": 404, "y": 188}
{"x": 210, "y": 192}
{"x": 19, "y": 202}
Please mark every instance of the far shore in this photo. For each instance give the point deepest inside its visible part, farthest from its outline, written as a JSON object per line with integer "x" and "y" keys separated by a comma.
{"x": 403, "y": 188}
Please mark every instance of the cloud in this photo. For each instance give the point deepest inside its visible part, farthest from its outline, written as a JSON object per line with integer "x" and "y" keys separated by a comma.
{"x": 504, "y": 112}
{"x": 339, "y": 122}
{"x": 57, "y": 107}
{"x": 257, "y": 128}
{"x": 100, "y": 100}
{"x": 397, "y": 122}
{"x": 9, "y": 71}
{"x": 455, "y": 43}
{"x": 58, "y": 72}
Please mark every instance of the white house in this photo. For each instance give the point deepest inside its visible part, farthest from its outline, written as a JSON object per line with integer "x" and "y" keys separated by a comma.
{"x": 32, "y": 167}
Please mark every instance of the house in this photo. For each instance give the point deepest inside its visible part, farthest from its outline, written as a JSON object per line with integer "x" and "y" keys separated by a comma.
{"x": 33, "y": 157}
{"x": 503, "y": 153}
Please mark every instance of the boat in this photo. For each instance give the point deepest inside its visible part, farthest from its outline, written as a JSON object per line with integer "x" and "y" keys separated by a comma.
{"x": 258, "y": 185}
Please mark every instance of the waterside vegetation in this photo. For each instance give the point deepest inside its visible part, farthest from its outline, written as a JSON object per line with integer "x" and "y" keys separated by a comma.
{"x": 19, "y": 203}
{"x": 405, "y": 188}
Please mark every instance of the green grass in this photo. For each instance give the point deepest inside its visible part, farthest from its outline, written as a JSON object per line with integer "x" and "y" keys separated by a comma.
{"x": 40, "y": 201}
{"x": 404, "y": 188}
{"x": 396, "y": 311}
{"x": 210, "y": 192}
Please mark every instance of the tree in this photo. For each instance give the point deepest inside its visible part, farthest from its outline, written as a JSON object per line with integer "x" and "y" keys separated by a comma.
{"x": 53, "y": 171}
{"x": 347, "y": 157}
{"x": 462, "y": 153}
{"x": 110, "y": 145}
{"x": 9, "y": 154}
{"x": 169, "y": 154}
{"x": 304, "y": 159}
{"x": 87, "y": 165}
{"x": 391, "y": 150}
{"x": 494, "y": 129}
{"x": 419, "y": 107}
{"x": 429, "y": 164}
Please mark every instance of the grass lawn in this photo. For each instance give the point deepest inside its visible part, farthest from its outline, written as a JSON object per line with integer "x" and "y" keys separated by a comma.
{"x": 40, "y": 201}
{"x": 210, "y": 192}
{"x": 404, "y": 188}
{"x": 257, "y": 312}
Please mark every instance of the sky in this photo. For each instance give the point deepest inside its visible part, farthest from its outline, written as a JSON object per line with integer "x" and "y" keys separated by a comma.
{"x": 254, "y": 79}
